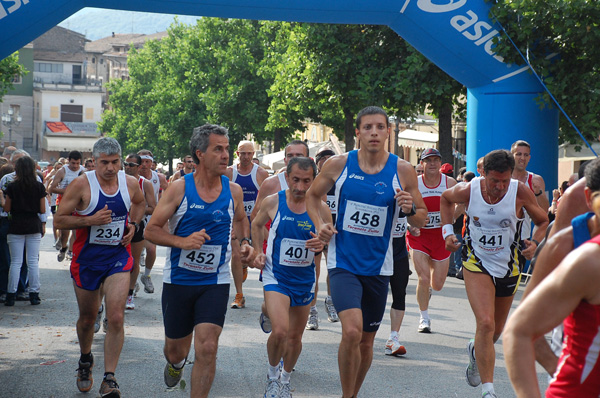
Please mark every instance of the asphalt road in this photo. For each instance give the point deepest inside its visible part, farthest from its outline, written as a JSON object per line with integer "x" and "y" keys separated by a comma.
{"x": 39, "y": 350}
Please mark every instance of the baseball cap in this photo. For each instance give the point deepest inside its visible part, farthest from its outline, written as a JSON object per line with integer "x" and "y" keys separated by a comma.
{"x": 446, "y": 168}
{"x": 430, "y": 152}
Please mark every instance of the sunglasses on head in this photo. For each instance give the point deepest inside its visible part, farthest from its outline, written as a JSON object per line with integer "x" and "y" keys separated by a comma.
{"x": 131, "y": 164}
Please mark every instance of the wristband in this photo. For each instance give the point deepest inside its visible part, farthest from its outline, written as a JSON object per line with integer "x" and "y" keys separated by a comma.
{"x": 413, "y": 211}
{"x": 135, "y": 225}
{"x": 536, "y": 242}
{"x": 539, "y": 193}
{"x": 246, "y": 240}
{"x": 447, "y": 230}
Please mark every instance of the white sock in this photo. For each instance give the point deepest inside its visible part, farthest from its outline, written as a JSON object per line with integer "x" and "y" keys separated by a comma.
{"x": 424, "y": 314}
{"x": 393, "y": 334}
{"x": 147, "y": 271}
{"x": 179, "y": 365}
{"x": 313, "y": 308}
{"x": 487, "y": 387}
{"x": 273, "y": 372}
{"x": 285, "y": 377}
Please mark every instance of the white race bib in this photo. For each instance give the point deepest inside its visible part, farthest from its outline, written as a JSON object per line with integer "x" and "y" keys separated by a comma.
{"x": 364, "y": 219}
{"x": 248, "y": 206}
{"x": 331, "y": 202}
{"x": 400, "y": 228}
{"x": 489, "y": 240}
{"x": 206, "y": 259}
{"x": 434, "y": 221}
{"x": 107, "y": 234}
{"x": 293, "y": 253}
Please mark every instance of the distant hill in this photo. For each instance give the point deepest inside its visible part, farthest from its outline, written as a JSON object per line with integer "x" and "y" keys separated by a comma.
{"x": 96, "y": 23}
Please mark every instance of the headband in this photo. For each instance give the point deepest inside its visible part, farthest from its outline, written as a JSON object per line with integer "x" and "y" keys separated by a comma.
{"x": 147, "y": 157}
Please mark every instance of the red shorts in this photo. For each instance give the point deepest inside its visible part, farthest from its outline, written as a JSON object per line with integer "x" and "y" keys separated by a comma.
{"x": 429, "y": 242}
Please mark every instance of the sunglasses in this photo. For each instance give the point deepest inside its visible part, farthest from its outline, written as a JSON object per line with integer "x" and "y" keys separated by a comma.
{"x": 128, "y": 164}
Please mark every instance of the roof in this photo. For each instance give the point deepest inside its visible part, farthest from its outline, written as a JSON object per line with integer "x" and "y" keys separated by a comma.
{"x": 60, "y": 44}
{"x": 106, "y": 44}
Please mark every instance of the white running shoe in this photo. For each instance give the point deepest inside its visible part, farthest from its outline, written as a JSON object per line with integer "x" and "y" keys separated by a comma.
{"x": 332, "y": 315}
{"x": 130, "y": 305}
{"x": 136, "y": 289}
{"x": 488, "y": 394}
{"x": 147, "y": 282}
{"x": 285, "y": 391}
{"x": 265, "y": 323}
{"x": 424, "y": 325}
{"x": 98, "y": 319}
{"x": 313, "y": 320}
{"x": 393, "y": 347}
{"x": 273, "y": 389}
{"x": 472, "y": 373}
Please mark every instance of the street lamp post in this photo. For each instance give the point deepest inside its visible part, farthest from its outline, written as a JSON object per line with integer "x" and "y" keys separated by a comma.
{"x": 396, "y": 122}
{"x": 9, "y": 120}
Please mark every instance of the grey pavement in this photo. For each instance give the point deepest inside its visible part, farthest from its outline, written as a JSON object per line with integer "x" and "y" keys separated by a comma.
{"x": 39, "y": 350}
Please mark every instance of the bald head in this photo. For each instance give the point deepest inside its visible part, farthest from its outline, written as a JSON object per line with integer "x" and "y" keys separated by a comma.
{"x": 245, "y": 153}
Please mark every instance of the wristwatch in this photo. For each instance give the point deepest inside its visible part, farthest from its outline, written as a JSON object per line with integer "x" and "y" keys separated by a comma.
{"x": 246, "y": 240}
{"x": 135, "y": 225}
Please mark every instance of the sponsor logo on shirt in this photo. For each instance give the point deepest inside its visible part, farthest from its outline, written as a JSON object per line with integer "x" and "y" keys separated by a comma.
{"x": 304, "y": 225}
{"x": 217, "y": 216}
{"x": 505, "y": 223}
{"x": 287, "y": 218}
{"x": 356, "y": 177}
{"x": 196, "y": 206}
{"x": 476, "y": 221}
{"x": 380, "y": 187}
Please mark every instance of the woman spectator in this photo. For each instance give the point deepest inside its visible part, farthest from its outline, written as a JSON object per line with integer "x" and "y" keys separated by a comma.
{"x": 23, "y": 199}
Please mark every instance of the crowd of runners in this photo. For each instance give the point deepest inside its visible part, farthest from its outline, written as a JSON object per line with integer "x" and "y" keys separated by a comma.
{"x": 365, "y": 213}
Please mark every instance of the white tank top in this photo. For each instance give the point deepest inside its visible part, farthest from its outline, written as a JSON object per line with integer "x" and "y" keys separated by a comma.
{"x": 282, "y": 181}
{"x": 70, "y": 175}
{"x": 493, "y": 230}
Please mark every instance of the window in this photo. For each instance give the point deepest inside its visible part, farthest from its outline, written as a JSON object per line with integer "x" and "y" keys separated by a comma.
{"x": 93, "y": 60}
{"x": 101, "y": 61}
{"x": 48, "y": 67}
{"x": 17, "y": 79}
{"x": 71, "y": 113}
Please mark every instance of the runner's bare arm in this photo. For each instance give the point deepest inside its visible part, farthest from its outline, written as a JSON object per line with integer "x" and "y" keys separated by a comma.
{"x": 526, "y": 198}
{"x": 460, "y": 193}
{"x": 268, "y": 187}
{"x": 539, "y": 187}
{"x": 241, "y": 226}
{"x": 136, "y": 212}
{"x": 165, "y": 208}
{"x": 149, "y": 196}
{"x": 60, "y": 174}
{"x": 410, "y": 194}
{"x": 572, "y": 204}
{"x": 76, "y": 196}
{"x": 266, "y": 213}
{"x": 261, "y": 175}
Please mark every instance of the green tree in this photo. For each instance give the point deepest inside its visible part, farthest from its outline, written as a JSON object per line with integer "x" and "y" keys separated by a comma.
{"x": 9, "y": 68}
{"x": 560, "y": 39}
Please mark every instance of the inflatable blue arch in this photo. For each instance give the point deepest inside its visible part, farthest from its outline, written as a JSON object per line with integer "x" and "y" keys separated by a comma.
{"x": 457, "y": 35}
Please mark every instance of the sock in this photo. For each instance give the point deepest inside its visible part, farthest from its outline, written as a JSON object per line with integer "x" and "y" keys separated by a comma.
{"x": 179, "y": 365}
{"x": 393, "y": 334}
{"x": 130, "y": 292}
{"x": 313, "y": 308}
{"x": 86, "y": 358}
{"x": 285, "y": 377}
{"x": 147, "y": 271}
{"x": 487, "y": 387}
{"x": 108, "y": 373}
{"x": 273, "y": 372}
{"x": 424, "y": 314}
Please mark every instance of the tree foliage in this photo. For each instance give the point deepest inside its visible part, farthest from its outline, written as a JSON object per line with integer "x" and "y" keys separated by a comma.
{"x": 9, "y": 68}
{"x": 570, "y": 30}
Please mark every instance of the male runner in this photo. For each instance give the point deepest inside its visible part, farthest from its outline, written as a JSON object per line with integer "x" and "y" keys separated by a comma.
{"x": 250, "y": 177}
{"x": 108, "y": 206}
{"x": 495, "y": 206}
{"x": 567, "y": 294}
{"x": 430, "y": 256}
{"x": 201, "y": 209}
{"x": 370, "y": 184}
{"x": 188, "y": 167}
{"x": 159, "y": 183}
{"x": 288, "y": 270}
{"x": 132, "y": 165}
{"x": 62, "y": 179}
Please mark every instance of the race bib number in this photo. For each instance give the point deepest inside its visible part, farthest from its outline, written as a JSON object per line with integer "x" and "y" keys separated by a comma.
{"x": 365, "y": 219}
{"x": 107, "y": 234}
{"x": 248, "y": 206}
{"x": 331, "y": 202}
{"x": 399, "y": 228}
{"x": 293, "y": 253}
{"x": 206, "y": 259}
{"x": 434, "y": 221}
{"x": 490, "y": 240}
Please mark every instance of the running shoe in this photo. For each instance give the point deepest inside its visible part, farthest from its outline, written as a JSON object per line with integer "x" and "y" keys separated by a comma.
{"x": 393, "y": 347}
{"x": 69, "y": 255}
{"x": 61, "y": 255}
{"x": 265, "y": 323}
{"x": 130, "y": 305}
{"x": 313, "y": 320}
{"x": 147, "y": 282}
{"x": 285, "y": 391}
{"x": 332, "y": 315}
{"x": 488, "y": 394}
{"x": 109, "y": 387}
{"x": 57, "y": 243}
{"x": 472, "y": 373}
{"x": 239, "y": 302}
{"x": 273, "y": 389}
{"x": 84, "y": 375}
{"x": 105, "y": 325}
{"x": 136, "y": 289}
{"x": 425, "y": 325}
{"x": 98, "y": 319}
{"x": 172, "y": 375}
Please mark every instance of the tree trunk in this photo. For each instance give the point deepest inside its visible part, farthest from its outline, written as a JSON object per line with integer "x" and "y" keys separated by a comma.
{"x": 445, "y": 118}
{"x": 277, "y": 140}
{"x": 349, "y": 130}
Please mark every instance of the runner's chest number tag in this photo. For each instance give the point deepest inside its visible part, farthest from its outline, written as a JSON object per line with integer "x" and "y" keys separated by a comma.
{"x": 107, "y": 234}
{"x": 206, "y": 259}
{"x": 435, "y": 220}
{"x": 293, "y": 253}
{"x": 332, "y": 204}
{"x": 248, "y": 206}
{"x": 365, "y": 219}
{"x": 399, "y": 228}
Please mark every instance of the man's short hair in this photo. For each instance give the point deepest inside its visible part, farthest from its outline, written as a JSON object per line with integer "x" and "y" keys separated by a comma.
{"x": 296, "y": 142}
{"x": 499, "y": 160}
{"x": 106, "y": 145}
{"x": 138, "y": 158}
{"x": 245, "y": 142}
{"x": 303, "y": 164}
{"x": 74, "y": 155}
{"x": 200, "y": 138}
{"x": 18, "y": 153}
{"x": 371, "y": 110}
{"x": 592, "y": 175}
{"x": 518, "y": 143}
